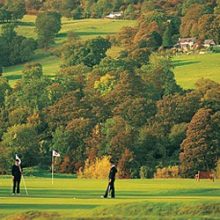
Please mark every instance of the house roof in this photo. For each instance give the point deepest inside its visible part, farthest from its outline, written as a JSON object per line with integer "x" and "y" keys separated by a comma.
{"x": 187, "y": 40}
{"x": 209, "y": 41}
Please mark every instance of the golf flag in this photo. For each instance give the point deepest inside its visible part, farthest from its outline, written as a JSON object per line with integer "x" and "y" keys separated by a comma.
{"x": 56, "y": 154}
{"x": 22, "y": 176}
{"x": 17, "y": 158}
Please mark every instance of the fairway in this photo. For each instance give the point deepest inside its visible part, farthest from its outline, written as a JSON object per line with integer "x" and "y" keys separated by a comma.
{"x": 70, "y": 198}
{"x": 189, "y": 68}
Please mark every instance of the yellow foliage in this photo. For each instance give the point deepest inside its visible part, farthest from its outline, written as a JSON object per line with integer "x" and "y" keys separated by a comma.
{"x": 217, "y": 173}
{"x": 105, "y": 84}
{"x": 167, "y": 172}
{"x": 97, "y": 169}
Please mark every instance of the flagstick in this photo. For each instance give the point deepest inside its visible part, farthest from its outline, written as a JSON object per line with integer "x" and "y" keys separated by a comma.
{"x": 52, "y": 167}
{"x": 24, "y": 185}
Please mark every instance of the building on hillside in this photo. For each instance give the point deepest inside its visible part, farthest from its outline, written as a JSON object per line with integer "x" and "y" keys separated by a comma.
{"x": 209, "y": 43}
{"x": 114, "y": 15}
{"x": 186, "y": 44}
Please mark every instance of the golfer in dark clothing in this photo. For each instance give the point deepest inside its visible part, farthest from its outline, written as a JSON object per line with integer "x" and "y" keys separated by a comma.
{"x": 16, "y": 176}
{"x": 111, "y": 186}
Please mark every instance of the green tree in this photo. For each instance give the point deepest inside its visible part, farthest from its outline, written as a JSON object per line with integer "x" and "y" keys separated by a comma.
{"x": 4, "y": 88}
{"x": 167, "y": 37}
{"x": 16, "y": 8}
{"x": 77, "y": 13}
{"x": 23, "y": 140}
{"x": 48, "y": 24}
{"x": 15, "y": 49}
{"x": 89, "y": 53}
{"x": 159, "y": 73}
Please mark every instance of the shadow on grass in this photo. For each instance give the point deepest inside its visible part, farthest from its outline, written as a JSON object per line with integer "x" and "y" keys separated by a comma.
{"x": 64, "y": 35}
{"x": 30, "y": 24}
{"x": 186, "y": 192}
{"x": 55, "y": 193}
{"x": 15, "y": 206}
{"x": 177, "y": 63}
{"x": 94, "y": 33}
{"x": 13, "y": 77}
{"x": 91, "y": 194}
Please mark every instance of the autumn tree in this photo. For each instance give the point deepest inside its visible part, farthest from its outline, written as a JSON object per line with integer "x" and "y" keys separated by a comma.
{"x": 200, "y": 149}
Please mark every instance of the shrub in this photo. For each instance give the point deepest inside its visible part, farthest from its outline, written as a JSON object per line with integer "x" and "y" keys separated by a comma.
{"x": 98, "y": 169}
{"x": 167, "y": 172}
{"x": 216, "y": 49}
{"x": 217, "y": 170}
{"x": 145, "y": 172}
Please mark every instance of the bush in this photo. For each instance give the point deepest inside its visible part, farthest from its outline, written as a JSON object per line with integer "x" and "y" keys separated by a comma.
{"x": 217, "y": 170}
{"x": 216, "y": 49}
{"x": 97, "y": 169}
{"x": 167, "y": 172}
{"x": 145, "y": 172}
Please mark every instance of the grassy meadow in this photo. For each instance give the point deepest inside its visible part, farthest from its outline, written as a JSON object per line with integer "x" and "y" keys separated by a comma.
{"x": 70, "y": 198}
{"x": 86, "y": 29}
{"x": 189, "y": 68}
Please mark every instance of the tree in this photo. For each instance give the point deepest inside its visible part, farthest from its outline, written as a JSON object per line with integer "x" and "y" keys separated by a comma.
{"x": 217, "y": 7}
{"x": 167, "y": 37}
{"x": 4, "y": 88}
{"x": 189, "y": 25}
{"x": 22, "y": 139}
{"x": 16, "y": 8}
{"x": 5, "y": 15}
{"x": 159, "y": 73}
{"x": 32, "y": 71}
{"x": 199, "y": 151}
{"x": 15, "y": 49}
{"x": 48, "y": 24}
{"x": 77, "y": 13}
{"x": 89, "y": 53}
{"x": 33, "y": 4}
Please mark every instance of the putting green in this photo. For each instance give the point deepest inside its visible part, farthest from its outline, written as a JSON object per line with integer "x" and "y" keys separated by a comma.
{"x": 69, "y": 197}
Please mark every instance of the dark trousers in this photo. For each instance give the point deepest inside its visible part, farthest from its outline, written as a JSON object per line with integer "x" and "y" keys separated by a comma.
{"x": 16, "y": 184}
{"x": 110, "y": 188}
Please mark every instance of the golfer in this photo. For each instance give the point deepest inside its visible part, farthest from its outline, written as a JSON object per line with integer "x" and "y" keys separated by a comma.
{"x": 16, "y": 177}
{"x": 111, "y": 186}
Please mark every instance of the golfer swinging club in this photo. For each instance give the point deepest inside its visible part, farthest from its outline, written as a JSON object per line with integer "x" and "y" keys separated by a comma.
{"x": 111, "y": 186}
{"x": 16, "y": 176}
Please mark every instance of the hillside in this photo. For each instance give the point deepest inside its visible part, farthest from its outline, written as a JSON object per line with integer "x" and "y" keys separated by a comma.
{"x": 86, "y": 29}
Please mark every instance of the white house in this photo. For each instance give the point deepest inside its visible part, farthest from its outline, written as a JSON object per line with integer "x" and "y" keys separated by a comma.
{"x": 187, "y": 43}
{"x": 114, "y": 15}
{"x": 209, "y": 43}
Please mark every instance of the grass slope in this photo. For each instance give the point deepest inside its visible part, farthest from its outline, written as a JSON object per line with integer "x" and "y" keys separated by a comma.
{"x": 86, "y": 29}
{"x": 72, "y": 198}
{"x": 189, "y": 68}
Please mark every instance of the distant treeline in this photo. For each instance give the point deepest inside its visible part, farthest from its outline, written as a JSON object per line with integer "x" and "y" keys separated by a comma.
{"x": 128, "y": 108}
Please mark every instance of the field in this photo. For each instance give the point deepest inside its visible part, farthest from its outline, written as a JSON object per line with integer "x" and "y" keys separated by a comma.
{"x": 189, "y": 68}
{"x": 70, "y": 198}
{"x": 86, "y": 29}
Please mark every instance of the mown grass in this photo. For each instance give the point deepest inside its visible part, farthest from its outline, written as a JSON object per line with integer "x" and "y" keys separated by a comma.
{"x": 70, "y": 198}
{"x": 190, "y": 68}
